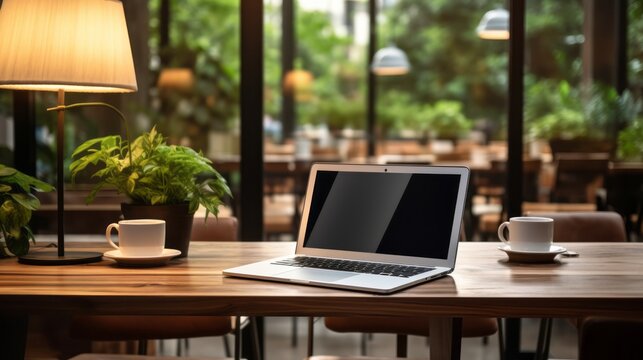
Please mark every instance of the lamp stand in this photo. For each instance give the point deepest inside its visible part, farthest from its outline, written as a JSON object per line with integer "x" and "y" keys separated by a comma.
{"x": 60, "y": 257}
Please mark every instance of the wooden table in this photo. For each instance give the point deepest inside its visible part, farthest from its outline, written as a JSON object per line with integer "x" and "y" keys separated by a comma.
{"x": 606, "y": 279}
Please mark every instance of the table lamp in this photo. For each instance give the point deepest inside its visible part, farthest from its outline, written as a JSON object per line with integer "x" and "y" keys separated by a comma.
{"x": 64, "y": 46}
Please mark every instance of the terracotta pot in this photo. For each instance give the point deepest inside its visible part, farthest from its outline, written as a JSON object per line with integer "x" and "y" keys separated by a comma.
{"x": 178, "y": 222}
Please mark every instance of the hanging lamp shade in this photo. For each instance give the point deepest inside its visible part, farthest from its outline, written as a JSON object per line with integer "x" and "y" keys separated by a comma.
{"x": 390, "y": 61}
{"x": 70, "y": 45}
{"x": 181, "y": 79}
{"x": 494, "y": 25}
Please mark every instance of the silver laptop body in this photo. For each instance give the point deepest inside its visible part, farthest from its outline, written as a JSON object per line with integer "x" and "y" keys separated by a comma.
{"x": 406, "y": 217}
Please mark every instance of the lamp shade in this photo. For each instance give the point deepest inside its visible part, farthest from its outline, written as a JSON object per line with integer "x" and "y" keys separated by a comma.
{"x": 299, "y": 83}
{"x": 70, "y": 45}
{"x": 390, "y": 61}
{"x": 181, "y": 79}
{"x": 494, "y": 25}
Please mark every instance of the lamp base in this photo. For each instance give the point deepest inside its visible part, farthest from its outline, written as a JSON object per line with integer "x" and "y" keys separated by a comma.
{"x": 52, "y": 258}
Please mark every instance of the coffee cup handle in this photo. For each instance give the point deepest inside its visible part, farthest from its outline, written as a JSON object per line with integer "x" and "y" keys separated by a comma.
{"x": 108, "y": 234}
{"x": 501, "y": 231}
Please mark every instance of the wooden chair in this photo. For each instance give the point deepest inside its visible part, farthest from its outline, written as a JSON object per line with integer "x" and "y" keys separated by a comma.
{"x": 578, "y": 175}
{"x": 147, "y": 327}
{"x": 402, "y": 327}
{"x": 490, "y": 186}
{"x": 611, "y": 338}
{"x": 598, "y": 226}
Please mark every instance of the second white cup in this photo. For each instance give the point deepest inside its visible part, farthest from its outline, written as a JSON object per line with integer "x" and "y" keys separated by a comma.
{"x": 142, "y": 237}
{"x": 528, "y": 233}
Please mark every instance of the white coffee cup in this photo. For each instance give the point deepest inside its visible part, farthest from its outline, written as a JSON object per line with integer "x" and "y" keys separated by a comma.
{"x": 142, "y": 237}
{"x": 528, "y": 233}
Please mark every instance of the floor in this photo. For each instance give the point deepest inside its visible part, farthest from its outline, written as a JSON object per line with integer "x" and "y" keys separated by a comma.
{"x": 279, "y": 342}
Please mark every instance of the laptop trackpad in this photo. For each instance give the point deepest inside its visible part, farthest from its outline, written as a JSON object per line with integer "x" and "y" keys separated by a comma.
{"x": 315, "y": 275}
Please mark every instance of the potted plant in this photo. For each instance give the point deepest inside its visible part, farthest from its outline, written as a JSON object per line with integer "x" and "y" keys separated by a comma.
{"x": 555, "y": 112}
{"x": 162, "y": 181}
{"x": 16, "y": 204}
{"x": 446, "y": 120}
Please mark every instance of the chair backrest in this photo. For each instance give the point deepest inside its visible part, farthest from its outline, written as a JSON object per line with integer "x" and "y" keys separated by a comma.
{"x": 594, "y": 226}
{"x": 215, "y": 229}
{"x": 576, "y": 174}
{"x": 531, "y": 173}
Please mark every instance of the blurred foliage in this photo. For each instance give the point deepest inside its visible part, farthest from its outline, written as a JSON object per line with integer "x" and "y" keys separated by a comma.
{"x": 336, "y": 112}
{"x": 396, "y": 112}
{"x": 553, "y": 110}
{"x": 556, "y": 110}
{"x": 204, "y": 36}
{"x": 630, "y": 141}
{"x": 446, "y": 120}
{"x": 635, "y": 44}
{"x": 449, "y": 62}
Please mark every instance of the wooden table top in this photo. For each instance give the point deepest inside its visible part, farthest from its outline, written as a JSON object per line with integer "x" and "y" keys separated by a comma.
{"x": 606, "y": 279}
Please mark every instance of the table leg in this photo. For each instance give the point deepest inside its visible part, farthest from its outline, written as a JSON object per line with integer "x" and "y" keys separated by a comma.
{"x": 512, "y": 341}
{"x": 446, "y": 338}
{"x": 248, "y": 349}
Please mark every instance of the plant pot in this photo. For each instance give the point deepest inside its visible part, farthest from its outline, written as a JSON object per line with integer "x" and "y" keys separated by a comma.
{"x": 582, "y": 145}
{"x": 178, "y": 222}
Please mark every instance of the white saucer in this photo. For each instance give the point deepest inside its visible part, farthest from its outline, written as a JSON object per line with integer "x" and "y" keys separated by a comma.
{"x": 162, "y": 259}
{"x": 532, "y": 256}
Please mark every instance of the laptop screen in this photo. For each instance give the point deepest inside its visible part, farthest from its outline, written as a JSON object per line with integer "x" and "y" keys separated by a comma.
{"x": 406, "y": 214}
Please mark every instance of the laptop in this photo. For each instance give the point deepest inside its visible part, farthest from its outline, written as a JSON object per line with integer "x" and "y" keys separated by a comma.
{"x": 373, "y": 228}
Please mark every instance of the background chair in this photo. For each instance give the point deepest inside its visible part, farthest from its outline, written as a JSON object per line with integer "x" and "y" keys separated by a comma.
{"x": 144, "y": 328}
{"x": 578, "y": 176}
{"x": 599, "y": 226}
{"x": 610, "y": 338}
{"x": 402, "y": 327}
{"x": 488, "y": 186}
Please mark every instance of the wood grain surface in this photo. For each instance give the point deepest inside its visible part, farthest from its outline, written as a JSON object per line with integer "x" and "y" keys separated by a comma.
{"x": 606, "y": 279}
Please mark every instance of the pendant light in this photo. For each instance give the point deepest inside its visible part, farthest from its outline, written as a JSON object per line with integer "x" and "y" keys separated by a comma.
{"x": 494, "y": 25}
{"x": 390, "y": 61}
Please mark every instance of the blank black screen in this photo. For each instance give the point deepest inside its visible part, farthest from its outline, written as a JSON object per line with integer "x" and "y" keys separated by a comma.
{"x": 386, "y": 213}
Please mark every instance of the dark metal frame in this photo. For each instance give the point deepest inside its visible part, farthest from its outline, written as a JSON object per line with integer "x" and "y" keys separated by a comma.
{"x": 371, "y": 95}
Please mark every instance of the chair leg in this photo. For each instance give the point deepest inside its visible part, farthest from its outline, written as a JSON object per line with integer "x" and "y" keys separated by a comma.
{"x": 226, "y": 346}
{"x": 547, "y": 340}
{"x": 544, "y": 334}
{"x": 255, "y": 339}
{"x": 501, "y": 338}
{"x": 363, "y": 344}
{"x": 237, "y": 338}
{"x": 401, "y": 346}
{"x": 142, "y": 346}
{"x": 293, "y": 339}
{"x": 311, "y": 335}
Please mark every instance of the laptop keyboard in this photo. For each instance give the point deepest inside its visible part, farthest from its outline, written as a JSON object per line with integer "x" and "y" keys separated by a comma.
{"x": 354, "y": 266}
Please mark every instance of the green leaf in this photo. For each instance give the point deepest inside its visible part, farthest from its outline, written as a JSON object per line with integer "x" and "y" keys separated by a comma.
{"x": 26, "y": 200}
{"x": 7, "y": 171}
{"x": 18, "y": 245}
{"x": 5, "y": 188}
